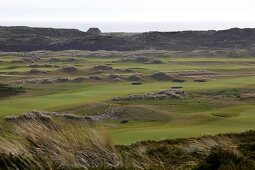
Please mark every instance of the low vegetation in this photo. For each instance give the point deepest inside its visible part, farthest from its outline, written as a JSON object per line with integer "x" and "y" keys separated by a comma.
{"x": 56, "y": 145}
{"x": 35, "y": 144}
{"x": 6, "y": 90}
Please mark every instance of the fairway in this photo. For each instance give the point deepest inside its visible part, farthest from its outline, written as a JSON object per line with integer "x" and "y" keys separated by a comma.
{"x": 207, "y": 125}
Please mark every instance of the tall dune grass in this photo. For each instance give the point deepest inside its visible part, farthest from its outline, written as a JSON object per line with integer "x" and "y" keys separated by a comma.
{"x": 56, "y": 145}
{"x": 74, "y": 144}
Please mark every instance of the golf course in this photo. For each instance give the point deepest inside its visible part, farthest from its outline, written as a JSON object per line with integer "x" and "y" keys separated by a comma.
{"x": 219, "y": 94}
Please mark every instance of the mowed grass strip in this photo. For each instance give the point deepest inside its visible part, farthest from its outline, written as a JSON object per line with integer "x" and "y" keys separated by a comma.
{"x": 94, "y": 93}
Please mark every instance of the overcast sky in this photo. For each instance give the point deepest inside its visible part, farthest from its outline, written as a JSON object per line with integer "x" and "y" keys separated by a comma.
{"x": 217, "y": 12}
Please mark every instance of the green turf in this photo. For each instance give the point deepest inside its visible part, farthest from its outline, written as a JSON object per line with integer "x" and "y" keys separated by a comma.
{"x": 207, "y": 125}
{"x": 90, "y": 93}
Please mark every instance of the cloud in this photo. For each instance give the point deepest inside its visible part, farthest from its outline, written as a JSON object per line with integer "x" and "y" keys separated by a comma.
{"x": 127, "y": 10}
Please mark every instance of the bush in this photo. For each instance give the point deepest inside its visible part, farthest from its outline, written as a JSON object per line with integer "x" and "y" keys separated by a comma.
{"x": 137, "y": 83}
{"x": 124, "y": 121}
{"x": 225, "y": 159}
{"x": 200, "y": 80}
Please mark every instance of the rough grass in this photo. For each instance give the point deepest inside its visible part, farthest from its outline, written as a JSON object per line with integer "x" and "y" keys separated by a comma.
{"x": 204, "y": 153}
{"x": 69, "y": 145}
{"x": 56, "y": 145}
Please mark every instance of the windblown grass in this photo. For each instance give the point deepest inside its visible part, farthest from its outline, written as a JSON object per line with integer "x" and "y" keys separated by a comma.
{"x": 35, "y": 144}
{"x": 56, "y": 145}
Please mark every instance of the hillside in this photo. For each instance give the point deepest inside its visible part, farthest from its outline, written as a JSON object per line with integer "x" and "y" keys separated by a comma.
{"x": 31, "y": 39}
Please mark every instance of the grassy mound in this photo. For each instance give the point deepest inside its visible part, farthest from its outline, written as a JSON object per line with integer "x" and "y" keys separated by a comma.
{"x": 6, "y": 90}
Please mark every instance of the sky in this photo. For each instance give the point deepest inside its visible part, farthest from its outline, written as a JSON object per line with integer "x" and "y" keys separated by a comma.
{"x": 129, "y": 15}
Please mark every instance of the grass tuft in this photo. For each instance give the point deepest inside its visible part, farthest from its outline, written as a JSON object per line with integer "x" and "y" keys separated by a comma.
{"x": 57, "y": 146}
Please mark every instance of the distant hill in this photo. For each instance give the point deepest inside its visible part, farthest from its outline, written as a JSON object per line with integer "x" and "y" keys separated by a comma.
{"x": 32, "y": 39}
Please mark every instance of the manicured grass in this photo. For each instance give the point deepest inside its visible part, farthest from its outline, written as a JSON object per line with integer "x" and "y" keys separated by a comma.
{"x": 208, "y": 125}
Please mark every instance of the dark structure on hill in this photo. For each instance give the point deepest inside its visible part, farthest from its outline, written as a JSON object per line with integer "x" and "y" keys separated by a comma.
{"x": 35, "y": 39}
{"x": 94, "y": 31}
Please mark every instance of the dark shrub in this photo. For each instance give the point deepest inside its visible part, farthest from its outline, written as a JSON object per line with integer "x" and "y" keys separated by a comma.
{"x": 124, "y": 121}
{"x": 225, "y": 158}
{"x": 200, "y": 80}
{"x": 178, "y": 80}
{"x": 137, "y": 83}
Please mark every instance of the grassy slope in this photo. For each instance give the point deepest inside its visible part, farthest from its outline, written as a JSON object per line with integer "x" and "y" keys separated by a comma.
{"x": 208, "y": 125}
